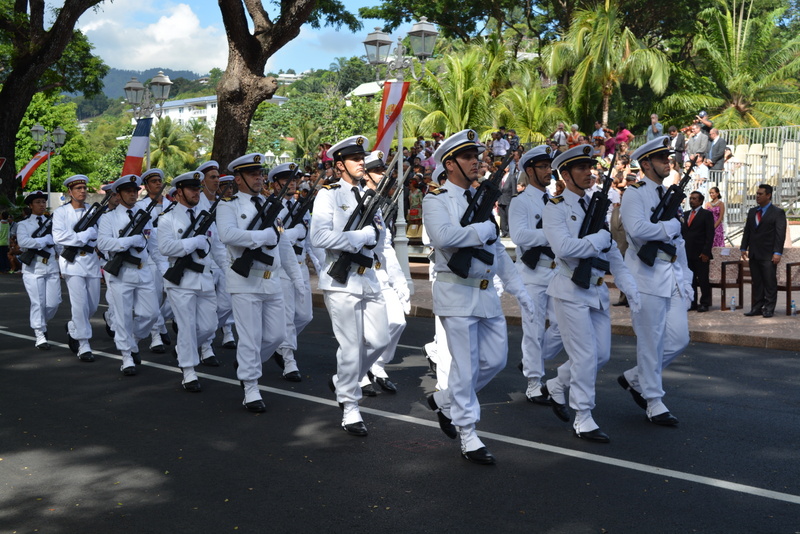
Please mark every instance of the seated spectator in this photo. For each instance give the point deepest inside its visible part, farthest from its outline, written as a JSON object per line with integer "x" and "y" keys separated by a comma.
{"x": 573, "y": 138}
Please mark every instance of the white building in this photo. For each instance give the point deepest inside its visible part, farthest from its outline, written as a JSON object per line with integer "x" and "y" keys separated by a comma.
{"x": 201, "y": 108}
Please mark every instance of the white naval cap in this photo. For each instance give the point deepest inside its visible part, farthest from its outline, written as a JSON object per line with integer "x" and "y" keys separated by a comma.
{"x": 150, "y": 173}
{"x": 578, "y": 154}
{"x": 107, "y": 187}
{"x": 437, "y": 171}
{"x": 458, "y": 142}
{"x": 357, "y": 144}
{"x": 129, "y": 180}
{"x": 657, "y": 145}
{"x": 226, "y": 179}
{"x": 76, "y": 179}
{"x": 305, "y": 186}
{"x": 374, "y": 161}
{"x": 283, "y": 171}
{"x": 537, "y": 153}
{"x": 208, "y": 166}
{"x": 247, "y": 162}
{"x": 171, "y": 192}
{"x": 190, "y": 179}
{"x": 33, "y": 195}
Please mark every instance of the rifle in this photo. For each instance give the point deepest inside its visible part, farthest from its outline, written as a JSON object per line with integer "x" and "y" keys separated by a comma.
{"x": 390, "y": 209}
{"x": 666, "y": 209}
{"x": 165, "y": 210}
{"x": 88, "y": 220}
{"x": 367, "y": 208}
{"x": 593, "y": 222}
{"x": 305, "y": 205}
{"x": 199, "y": 227}
{"x": 45, "y": 228}
{"x": 134, "y": 227}
{"x": 479, "y": 210}
{"x": 267, "y": 215}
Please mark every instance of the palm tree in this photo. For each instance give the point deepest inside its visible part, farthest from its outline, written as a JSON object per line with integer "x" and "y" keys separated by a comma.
{"x": 601, "y": 55}
{"x": 171, "y": 148}
{"x": 529, "y": 108}
{"x": 202, "y": 137}
{"x": 306, "y": 139}
{"x": 752, "y": 73}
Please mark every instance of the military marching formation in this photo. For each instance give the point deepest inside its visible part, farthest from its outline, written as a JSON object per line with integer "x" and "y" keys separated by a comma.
{"x": 207, "y": 259}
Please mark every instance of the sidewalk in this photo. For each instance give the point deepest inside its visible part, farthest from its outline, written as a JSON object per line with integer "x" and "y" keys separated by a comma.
{"x": 715, "y": 326}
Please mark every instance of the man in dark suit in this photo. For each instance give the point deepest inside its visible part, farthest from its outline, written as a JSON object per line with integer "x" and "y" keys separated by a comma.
{"x": 716, "y": 151}
{"x": 698, "y": 233}
{"x": 762, "y": 246}
{"x": 678, "y": 144}
{"x": 508, "y": 188}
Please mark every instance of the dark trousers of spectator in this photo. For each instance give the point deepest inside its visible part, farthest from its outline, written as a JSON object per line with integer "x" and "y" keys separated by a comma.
{"x": 4, "y": 266}
{"x": 764, "y": 275}
{"x": 502, "y": 210}
{"x": 700, "y": 281}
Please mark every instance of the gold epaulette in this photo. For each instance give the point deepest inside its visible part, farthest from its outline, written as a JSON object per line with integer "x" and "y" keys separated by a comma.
{"x": 437, "y": 191}
{"x": 556, "y": 200}
{"x": 638, "y": 184}
{"x": 229, "y": 198}
{"x": 332, "y": 186}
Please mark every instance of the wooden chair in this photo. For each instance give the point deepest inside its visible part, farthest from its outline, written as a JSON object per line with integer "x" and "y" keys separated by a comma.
{"x": 725, "y": 272}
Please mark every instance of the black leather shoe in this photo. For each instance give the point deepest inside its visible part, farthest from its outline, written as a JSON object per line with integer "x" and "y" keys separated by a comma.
{"x": 481, "y": 456}
{"x": 368, "y": 391}
{"x": 541, "y": 399}
{"x": 165, "y": 339}
{"x": 211, "y": 361}
{"x": 229, "y": 345}
{"x": 596, "y": 435}
{"x": 294, "y": 376}
{"x": 109, "y": 331}
{"x": 136, "y": 359}
{"x": 431, "y": 363}
{"x": 702, "y": 309}
{"x": 444, "y": 422}
{"x": 561, "y": 410}
{"x": 693, "y": 307}
{"x": 752, "y": 313}
{"x": 129, "y": 371}
{"x": 158, "y": 349}
{"x": 356, "y": 429}
{"x": 43, "y": 346}
{"x": 256, "y": 406}
{"x": 664, "y": 419}
{"x": 192, "y": 387}
{"x": 333, "y": 390}
{"x": 277, "y": 357}
{"x": 768, "y": 314}
{"x": 637, "y": 397}
{"x": 71, "y": 341}
{"x": 86, "y": 357}
{"x": 386, "y": 384}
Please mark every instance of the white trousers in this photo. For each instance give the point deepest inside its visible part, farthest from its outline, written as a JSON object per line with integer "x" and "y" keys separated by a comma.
{"x": 84, "y": 297}
{"x": 362, "y": 331}
{"x": 397, "y": 323}
{"x": 44, "y": 293}
{"x": 662, "y": 334}
{"x": 540, "y": 344}
{"x": 297, "y": 316}
{"x": 196, "y": 314}
{"x": 443, "y": 359}
{"x": 135, "y": 312}
{"x": 261, "y": 326}
{"x": 588, "y": 347}
{"x": 158, "y": 290}
{"x": 479, "y": 347}
{"x": 224, "y": 303}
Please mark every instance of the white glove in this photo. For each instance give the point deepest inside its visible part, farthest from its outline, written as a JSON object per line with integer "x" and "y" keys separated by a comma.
{"x": 486, "y": 230}
{"x": 136, "y": 241}
{"x": 634, "y": 301}
{"x": 405, "y": 299}
{"x": 48, "y": 241}
{"x": 600, "y": 240}
{"x": 201, "y": 244}
{"x": 688, "y": 295}
{"x": 527, "y": 307}
{"x": 265, "y": 238}
{"x": 90, "y": 234}
{"x": 368, "y": 236}
{"x": 672, "y": 227}
{"x": 301, "y": 296}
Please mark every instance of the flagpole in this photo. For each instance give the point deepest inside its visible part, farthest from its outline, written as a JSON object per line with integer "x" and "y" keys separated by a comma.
{"x": 400, "y": 237}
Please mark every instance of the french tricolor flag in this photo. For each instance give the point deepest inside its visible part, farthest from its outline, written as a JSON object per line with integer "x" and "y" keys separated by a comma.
{"x": 138, "y": 147}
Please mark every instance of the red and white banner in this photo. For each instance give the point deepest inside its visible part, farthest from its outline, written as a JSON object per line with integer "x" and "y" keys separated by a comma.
{"x": 394, "y": 96}
{"x": 32, "y": 165}
{"x": 138, "y": 147}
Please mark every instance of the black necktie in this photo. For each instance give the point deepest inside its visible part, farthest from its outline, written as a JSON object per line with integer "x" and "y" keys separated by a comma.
{"x": 290, "y": 206}
{"x": 130, "y": 214}
{"x": 581, "y": 201}
{"x": 545, "y": 198}
{"x": 357, "y": 193}
{"x": 660, "y": 191}
{"x": 468, "y": 194}
{"x": 192, "y": 218}
{"x": 257, "y": 201}
{"x": 39, "y": 219}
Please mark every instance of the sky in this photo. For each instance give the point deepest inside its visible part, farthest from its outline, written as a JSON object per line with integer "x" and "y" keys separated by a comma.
{"x": 141, "y": 34}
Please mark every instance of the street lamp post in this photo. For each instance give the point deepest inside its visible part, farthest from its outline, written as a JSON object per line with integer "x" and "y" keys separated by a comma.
{"x": 422, "y": 38}
{"x": 52, "y": 143}
{"x": 145, "y": 103}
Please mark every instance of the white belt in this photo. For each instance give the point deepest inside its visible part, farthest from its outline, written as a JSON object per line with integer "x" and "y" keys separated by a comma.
{"x": 254, "y": 273}
{"x": 480, "y": 283}
{"x": 564, "y": 270}
{"x": 549, "y": 263}
{"x": 660, "y": 255}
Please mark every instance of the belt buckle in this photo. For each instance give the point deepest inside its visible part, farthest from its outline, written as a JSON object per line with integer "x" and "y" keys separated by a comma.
{"x": 361, "y": 269}
{"x": 673, "y": 258}
{"x": 139, "y": 266}
{"x": 267, "y": 275}
{"x": 82, "y": 253}
{"x": 552, "y": 265}
{"x": 377, "y": 265}
{"x": 45, "y": 260}
{"x": 484, "y": 283}
{"x": 599, "y": 280}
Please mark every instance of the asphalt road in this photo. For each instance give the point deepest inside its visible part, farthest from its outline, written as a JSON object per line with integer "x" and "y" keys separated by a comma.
{"x": 84, "y": 449}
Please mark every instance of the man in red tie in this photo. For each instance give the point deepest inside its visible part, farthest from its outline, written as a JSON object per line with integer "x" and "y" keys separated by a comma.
{"x": 762, "y": 246}
{"x": 698, "y": 233}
